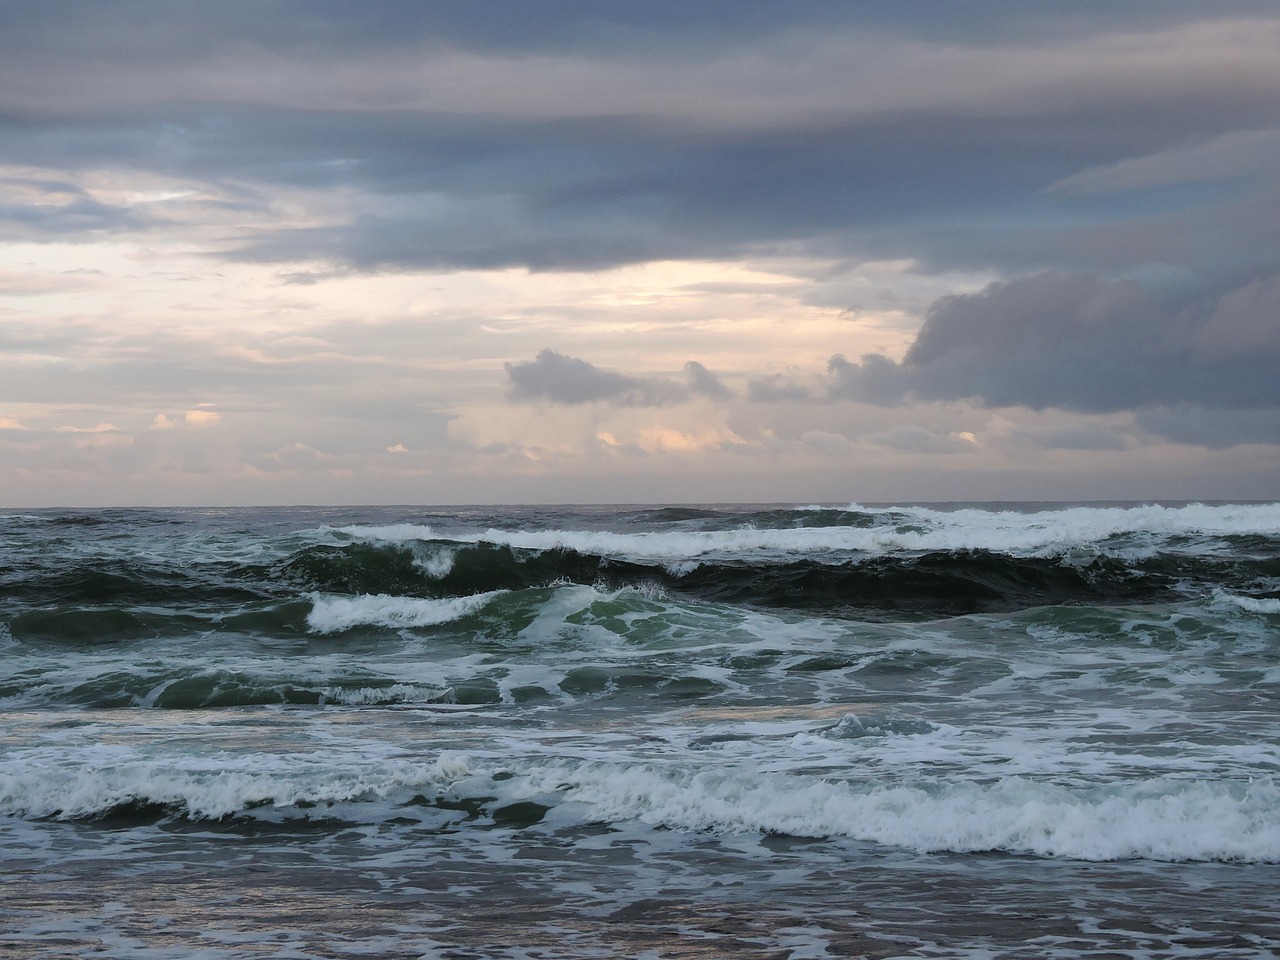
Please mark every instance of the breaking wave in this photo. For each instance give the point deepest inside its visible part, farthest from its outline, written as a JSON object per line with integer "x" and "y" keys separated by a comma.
{"x": 336, "y": 614}
{"x": 1155, "y": 819}
{"x": 1048, "y": 533}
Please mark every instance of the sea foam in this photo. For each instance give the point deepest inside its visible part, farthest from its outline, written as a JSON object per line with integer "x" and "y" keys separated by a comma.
{"x": 1164, "y": 819}
{"x": 1157, "y": 819}
{"x": 1265, "y": 605}
{"x": 336, "y": 614}
{"x": 96, "y": 781}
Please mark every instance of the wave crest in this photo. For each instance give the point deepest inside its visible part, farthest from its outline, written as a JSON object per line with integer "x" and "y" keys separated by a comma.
{"x": 339, "y": 614}
{"x": 1159, "y": 819}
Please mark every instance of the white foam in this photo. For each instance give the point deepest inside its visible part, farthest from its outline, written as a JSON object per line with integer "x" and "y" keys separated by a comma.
{"x": 1158, "y": 819}
{"x": 335, "y": 614}
{"x": 1251, "y": 604}
{"x": 396, "y": 693}
{"x": 394, "y": 532}
{"x": 98, "y": 779}
{"x": 437, "y": 564}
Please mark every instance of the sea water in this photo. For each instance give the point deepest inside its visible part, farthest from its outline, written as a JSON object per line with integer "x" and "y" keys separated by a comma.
{"x": 883, "y": 731}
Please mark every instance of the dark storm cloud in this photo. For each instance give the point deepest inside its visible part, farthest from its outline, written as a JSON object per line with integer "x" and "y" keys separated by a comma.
{"x": 1091, "y": 344}
{"x": 59, "y": 209}
{"x": 591, "y": 193}
{"x": 132, "y": 28}
{"x": 949, "y": 163}
{"x": 191, "y": 29}
{"x": 569, "y": 380}
{"x": 1201, "y": 370}
{"x": 80, "y": 219}
{"x": 1214, "y": 428}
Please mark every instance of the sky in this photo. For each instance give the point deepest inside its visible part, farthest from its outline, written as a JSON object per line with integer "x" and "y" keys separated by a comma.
{"x": 480, "y": 251}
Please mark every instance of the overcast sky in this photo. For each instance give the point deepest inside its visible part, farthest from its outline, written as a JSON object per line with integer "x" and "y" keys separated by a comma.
{"x": 555, "y": 251}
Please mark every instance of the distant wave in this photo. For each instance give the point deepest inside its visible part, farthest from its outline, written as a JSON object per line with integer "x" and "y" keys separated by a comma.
{"x": 915, "y": 530}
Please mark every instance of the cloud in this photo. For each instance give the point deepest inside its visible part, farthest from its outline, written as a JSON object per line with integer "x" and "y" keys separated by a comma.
{"x": 100, "y": 428}
{"x": 296, "y": 455}
{"x": 913, "y": 439}
{"x": 1074, "y": 342}
{"x": 1196, "y": 367}
{"x": 1076, "y": 436}
{"x": 561, "y": 379}
{"x": 201, "y": 418}
{"x": 1216, "y": 429}
{"x": 38, "y": 207}
{"x": 569, "y": 380}
{"x": 705, "y": 383}
{"x": 420, "y": 138}
{"x": 875, "y": 380}
{"x": 827, "y": 442}
{"x": 1237, "y": 154}
{"x": 81, "y": 219}
{"x": 658, "y": 440}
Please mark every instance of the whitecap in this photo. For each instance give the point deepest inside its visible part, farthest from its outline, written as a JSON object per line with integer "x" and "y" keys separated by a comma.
{"x": 1156, "y": 819}
{"x": 1070, "y": 532}
{"x": 97, "y": 780}
{"x": 1266, "y": 605}
{"x": 336, "y": 614}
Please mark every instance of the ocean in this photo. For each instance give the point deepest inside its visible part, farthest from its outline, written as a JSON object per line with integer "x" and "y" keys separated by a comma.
{"x": 995, "y": 730}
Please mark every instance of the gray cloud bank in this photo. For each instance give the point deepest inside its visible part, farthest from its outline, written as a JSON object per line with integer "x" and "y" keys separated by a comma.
{"x": 1075, "y": 342}
{"x": 1202, "y": 372}
{"x": 568, "y": 380}
{"x": 561, "y": 135}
